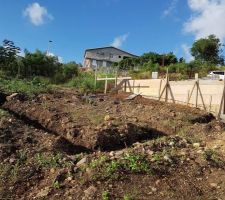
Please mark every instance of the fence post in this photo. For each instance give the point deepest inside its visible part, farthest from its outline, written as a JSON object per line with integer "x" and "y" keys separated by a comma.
{"x": 106, "y": 85}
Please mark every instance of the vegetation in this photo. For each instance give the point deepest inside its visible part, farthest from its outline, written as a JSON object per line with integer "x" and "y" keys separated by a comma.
{"x": 35, "y": 72}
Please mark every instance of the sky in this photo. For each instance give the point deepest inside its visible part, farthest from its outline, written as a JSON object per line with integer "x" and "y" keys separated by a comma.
{"x": 136, "y": 26}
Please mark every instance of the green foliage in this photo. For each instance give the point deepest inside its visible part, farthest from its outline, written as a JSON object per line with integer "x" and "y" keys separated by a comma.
{"x": 105, "y": 195}
{"x": 49, "y": 161}
{"x": 28, "y": 87}
{"x": 85, "y": 82}
{"x": 208, "y": 50}
{"x": 136, "y": 163}
{"x": 213, "y": 158}
{"x": 56, "y": 185}
{"x": 126, "y": 197}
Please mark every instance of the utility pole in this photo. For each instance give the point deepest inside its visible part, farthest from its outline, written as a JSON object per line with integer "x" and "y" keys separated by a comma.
{"x": 48, "y": 49}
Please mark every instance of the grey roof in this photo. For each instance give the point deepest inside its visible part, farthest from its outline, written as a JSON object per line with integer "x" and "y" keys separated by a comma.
{"x": 110, "y": 47}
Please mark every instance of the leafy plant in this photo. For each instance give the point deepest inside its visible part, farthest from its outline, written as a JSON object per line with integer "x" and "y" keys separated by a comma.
{"x": 105, "y": 195}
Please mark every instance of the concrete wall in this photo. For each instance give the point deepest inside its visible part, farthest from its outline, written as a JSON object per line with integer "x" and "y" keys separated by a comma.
{"x": 209, "y": 88}
{"x": 104, "y": 56}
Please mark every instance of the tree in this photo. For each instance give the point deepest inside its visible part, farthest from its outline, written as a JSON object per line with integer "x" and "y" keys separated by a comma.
{"x": 8, "y": 54}
{"x": 208, "y": 50}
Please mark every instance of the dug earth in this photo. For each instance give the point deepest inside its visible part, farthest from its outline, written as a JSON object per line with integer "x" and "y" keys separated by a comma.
{"x": 65, "y": 145}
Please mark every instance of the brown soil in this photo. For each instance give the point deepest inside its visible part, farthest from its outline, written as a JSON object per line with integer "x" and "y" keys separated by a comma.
{"x": 43, "y": 139}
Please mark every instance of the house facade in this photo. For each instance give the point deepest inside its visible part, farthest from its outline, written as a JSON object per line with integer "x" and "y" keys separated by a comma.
{"x": 104, "y": 57}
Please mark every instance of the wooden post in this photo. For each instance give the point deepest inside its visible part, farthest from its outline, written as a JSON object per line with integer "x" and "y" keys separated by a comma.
{"x": 210, "y": 103}
{"x": 196, "y": 100}
{"x": 160, "y": 86}
{"x": 106, "y": 85}
{"x": 133, "y": 85}
{"x": 224, "y": 97}
{"x": 188, "y": 97}
{"x": 125, "y": 86}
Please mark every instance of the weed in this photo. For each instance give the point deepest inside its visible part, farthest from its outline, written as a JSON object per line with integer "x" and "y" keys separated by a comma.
{"x": 126, "y": 197}
{"x": 213, "y": 158}
{"x": 105, "y": 195}
{"x": 136, "y": 163}
{"x": 51, "y": 160}
{"x": 3, "y": 113}
{"x": 98, "y": 162}
{"x": 56, "y": 185}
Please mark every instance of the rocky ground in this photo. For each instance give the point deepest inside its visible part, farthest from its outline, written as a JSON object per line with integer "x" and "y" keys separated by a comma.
{"x": 63, "y": 145}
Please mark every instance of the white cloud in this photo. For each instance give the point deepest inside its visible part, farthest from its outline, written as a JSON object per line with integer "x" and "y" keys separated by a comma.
{"x": 171, "y": 8}
{"x": 37, "y": 14}
{"x": 208, "y": 18}
{"x": 186, "y": 50}
{"x": 118, "y": 41}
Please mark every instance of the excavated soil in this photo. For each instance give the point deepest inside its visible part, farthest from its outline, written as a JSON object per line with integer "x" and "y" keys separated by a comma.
{"x": 65, "y": 145}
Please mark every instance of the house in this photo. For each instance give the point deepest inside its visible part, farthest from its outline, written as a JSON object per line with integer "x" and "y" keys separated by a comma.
{"x": 104, "y": 57}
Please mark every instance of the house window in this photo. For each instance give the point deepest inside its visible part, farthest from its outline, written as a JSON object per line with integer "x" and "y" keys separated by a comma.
{"x": 119, "y": 56}
{"x": 111, "y": 55}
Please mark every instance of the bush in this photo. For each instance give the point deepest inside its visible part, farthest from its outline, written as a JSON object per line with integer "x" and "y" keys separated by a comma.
{"x": 85, "y": 82}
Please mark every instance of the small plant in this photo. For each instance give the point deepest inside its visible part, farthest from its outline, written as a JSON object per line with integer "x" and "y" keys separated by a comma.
{"x": 126, "y": 197}
{"x": 98, "y": 162}
{"x": 136, "y": 163}
{"x": 213, "y": 158}
{"x": 50, "y": 161}
{"x": 105, "y": 195}
{"x": 56, "y": 185}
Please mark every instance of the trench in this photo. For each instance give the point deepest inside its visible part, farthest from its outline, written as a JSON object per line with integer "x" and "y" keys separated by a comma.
{"x": 111, "y": 138}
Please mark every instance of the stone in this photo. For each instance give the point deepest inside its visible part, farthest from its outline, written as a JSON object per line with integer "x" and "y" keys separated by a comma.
{"x": 111, "y": 153}
{"x": 196, "y": 145}
{"x": 153, "y": 189}
{"x": 43, "y": 193}
{"x": 11, "y": 97}
{"x": 107, "y": 118}
{"x": 213, "y": 185}
{"x": 118, "y": 153}
{"x": 12, "y": 160}
{"x": 52, "y": 170}
{"x": 149, "y": 152}
{"x": 90, "y": 192}
{"x": 82, "y": 162}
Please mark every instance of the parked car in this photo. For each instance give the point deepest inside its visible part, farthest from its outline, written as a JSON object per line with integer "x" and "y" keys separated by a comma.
{"x": 216, "y": 75}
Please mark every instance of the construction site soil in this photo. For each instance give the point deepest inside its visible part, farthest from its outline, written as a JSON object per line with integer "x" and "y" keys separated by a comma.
{"x": 66, "y": 145}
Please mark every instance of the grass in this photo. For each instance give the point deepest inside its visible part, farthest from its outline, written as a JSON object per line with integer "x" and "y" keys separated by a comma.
{"x": 213, "y": 158}
{"x": 51, "y": 161}
{"x": 3, "y": 113}
{"x": 28, "y": 87}
{"x": 85, "y": 82}
{"x": 105, "y": 195}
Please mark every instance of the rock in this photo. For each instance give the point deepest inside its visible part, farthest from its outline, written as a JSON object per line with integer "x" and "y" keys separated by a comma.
{"x": 196, "y": 145}
{"x": 107, "y": 118}
{"x": 118, "y": 153}
{"x": 69, "y": 178}
{"x": 12, "y": 160}
{"x": 43, "y": 193}
{"x": 52, "y": 170}
{"x": 90, "y": 192}
{"x": 167, "y": 158}
{"x": 82, "y": 162}
{"x": 11, "y": 97}
{"x": 213, "y": 185}
{"x": 153, "y": 189}
{"x": 111, "y": 153}
{"x": 149, "y": 152}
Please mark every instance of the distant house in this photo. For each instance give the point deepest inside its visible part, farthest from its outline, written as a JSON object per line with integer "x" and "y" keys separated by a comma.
{"x": 104, "y": 57}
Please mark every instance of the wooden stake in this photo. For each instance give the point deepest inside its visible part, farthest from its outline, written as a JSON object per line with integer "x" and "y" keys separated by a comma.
{"x": 188, "y": 97}
{"x": 210, "y": 103}
{"x": 160, "y": 86}
{"x": 106, "y": 85}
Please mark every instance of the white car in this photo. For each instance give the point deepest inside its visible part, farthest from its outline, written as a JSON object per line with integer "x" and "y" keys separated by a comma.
{"x": 216, "y": 75}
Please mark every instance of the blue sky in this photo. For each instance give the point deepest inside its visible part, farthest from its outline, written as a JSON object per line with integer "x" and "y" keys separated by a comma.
{"x": 136, "y": 26}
